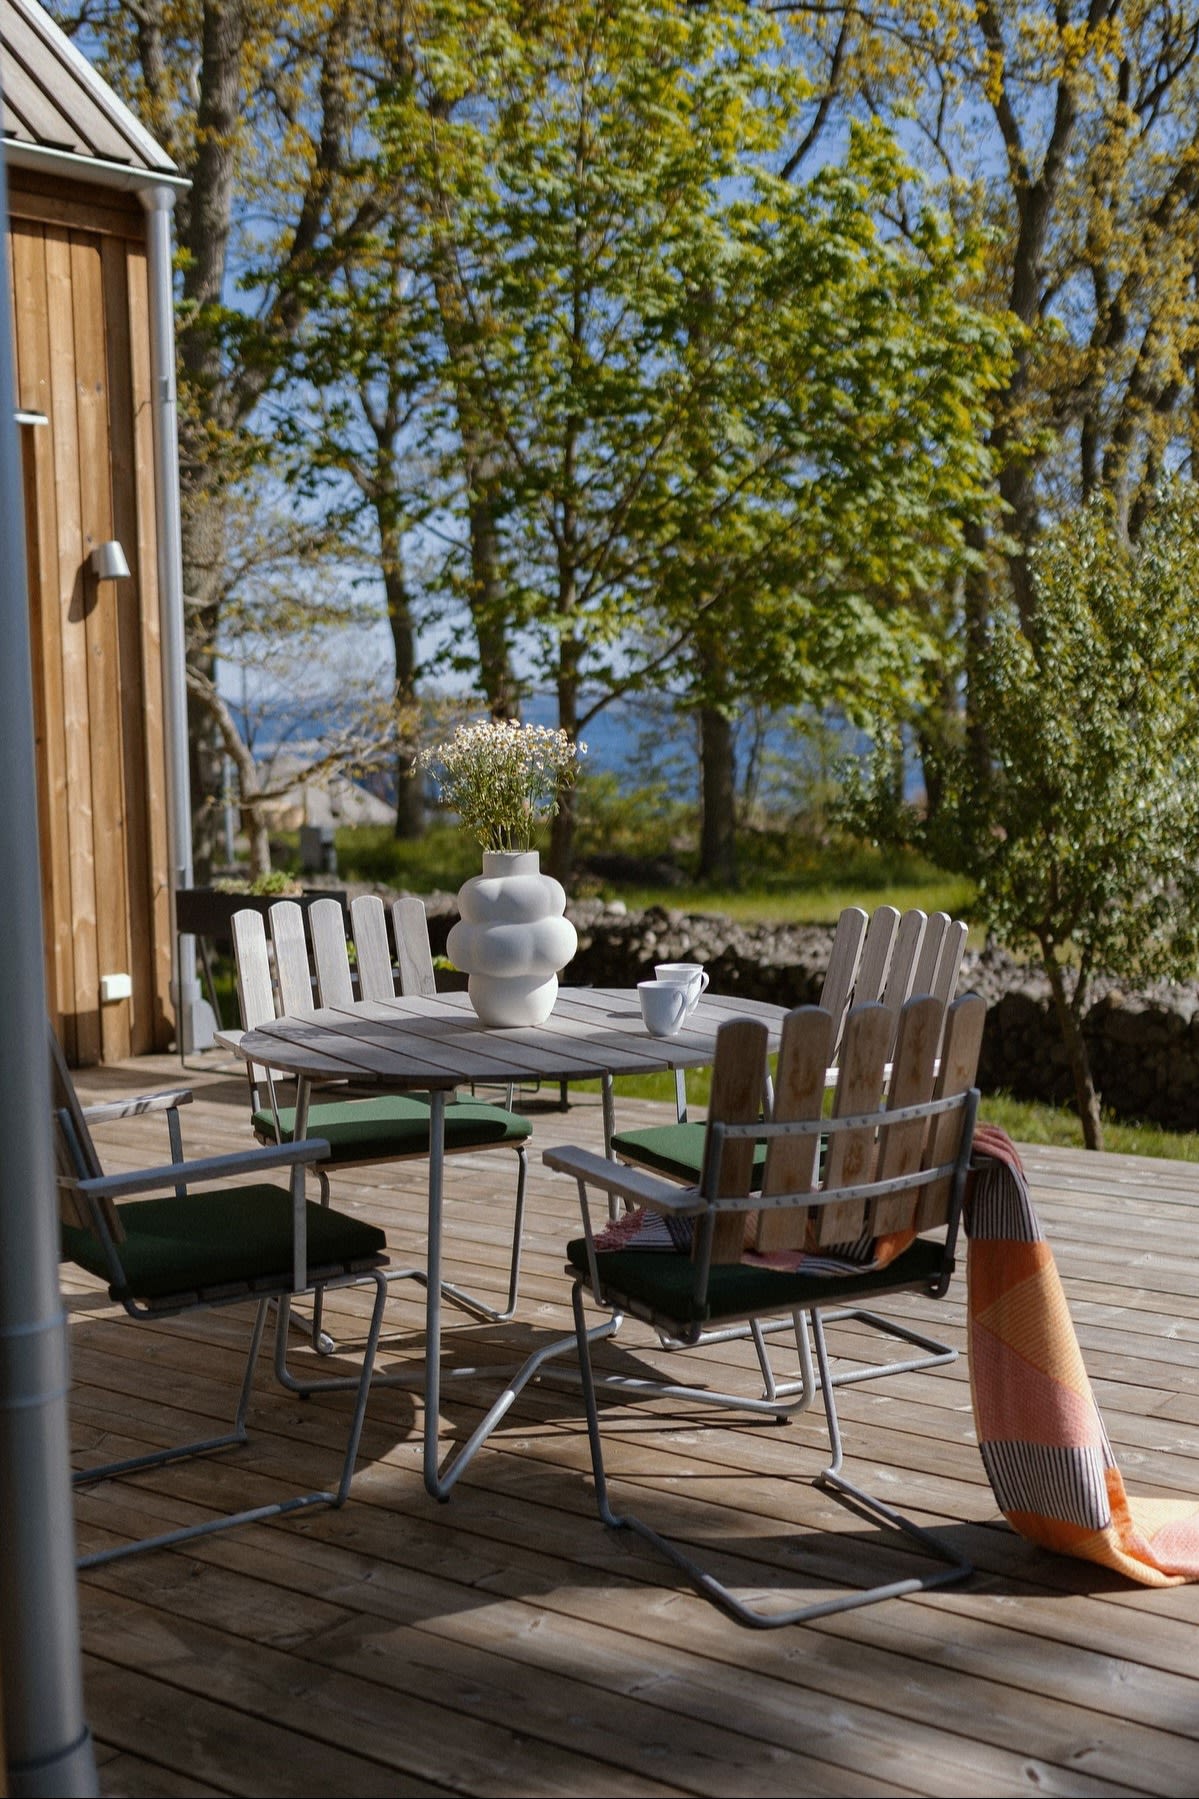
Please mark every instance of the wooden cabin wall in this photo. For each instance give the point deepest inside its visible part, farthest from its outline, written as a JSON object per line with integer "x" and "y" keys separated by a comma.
{"x": 81, "y": 316}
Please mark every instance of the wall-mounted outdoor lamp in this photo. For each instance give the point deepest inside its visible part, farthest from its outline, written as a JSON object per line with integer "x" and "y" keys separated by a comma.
{"x": 107, "y": 562}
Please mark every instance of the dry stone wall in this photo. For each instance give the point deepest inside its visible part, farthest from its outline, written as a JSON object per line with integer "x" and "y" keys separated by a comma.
{"x": 1144, "y": 1046}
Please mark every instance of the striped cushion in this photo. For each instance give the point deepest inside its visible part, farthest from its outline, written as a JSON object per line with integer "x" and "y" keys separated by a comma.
{"x": 365, "y": 1130}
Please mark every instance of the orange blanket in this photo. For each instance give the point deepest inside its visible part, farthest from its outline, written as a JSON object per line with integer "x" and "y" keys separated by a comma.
{"x": 1043, "y": 1443}
{"x": 1042, "y": 1440}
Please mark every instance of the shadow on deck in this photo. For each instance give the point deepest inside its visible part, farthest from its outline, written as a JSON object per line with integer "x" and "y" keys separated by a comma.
{"x": 505, "y": 1643}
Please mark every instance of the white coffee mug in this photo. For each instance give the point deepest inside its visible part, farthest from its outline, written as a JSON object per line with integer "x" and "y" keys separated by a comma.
{"x": 688, "y": 975}
{"x": 663, "y": 1007}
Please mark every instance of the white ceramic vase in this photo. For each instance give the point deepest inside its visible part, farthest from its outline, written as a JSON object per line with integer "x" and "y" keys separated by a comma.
{"x": 512, "y": 939}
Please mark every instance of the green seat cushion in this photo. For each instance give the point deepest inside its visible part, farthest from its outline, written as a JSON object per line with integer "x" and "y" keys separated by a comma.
{"x": 364, "y": 1130}
{"x": 675, "y": 1150}
{"x": 662, "y": 1282}
{"x": 220, "y": 1238}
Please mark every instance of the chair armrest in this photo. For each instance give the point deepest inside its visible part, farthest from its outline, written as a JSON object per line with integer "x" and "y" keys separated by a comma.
{"x": 630, "y": 1183}
{"x": 208, "y": 1168}
{"x": 106, "y": 1110}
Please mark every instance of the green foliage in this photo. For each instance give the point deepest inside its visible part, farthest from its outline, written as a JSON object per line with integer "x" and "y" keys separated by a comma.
{"x": 1080, "y": 823}
{"x": 793, "y": 881}
{"x": 644, "y": 821}
{"x": 276, "y": 882}
{"x": 1084, "y": 828}
{"x": 716, "y": 399}
{"x": 437, "y": 862}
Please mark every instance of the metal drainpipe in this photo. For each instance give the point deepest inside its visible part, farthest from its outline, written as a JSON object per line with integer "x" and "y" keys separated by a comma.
{"x": 47, "y": 1743}
{"x": 194, "y": 1021}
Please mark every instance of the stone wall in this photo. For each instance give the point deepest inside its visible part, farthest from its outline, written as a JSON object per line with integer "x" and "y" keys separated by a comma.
{"x": 1144, "y": 1046}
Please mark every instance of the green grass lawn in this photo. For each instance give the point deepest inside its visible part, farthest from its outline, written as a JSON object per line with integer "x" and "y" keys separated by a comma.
{"x": 1025, "y": 1121}
{"x": 806, "y": 905}
{"x": 786, "y": 880}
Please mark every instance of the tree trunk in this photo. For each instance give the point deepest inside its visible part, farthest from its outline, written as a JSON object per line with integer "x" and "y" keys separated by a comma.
{"x": 410, "y": 799}
{"x": 977, "y": 616}
{"x": 487, "y": 607}
{"x": 718, "y": 798}
{"x": 562, "y": 830}
{"x": 203, "y": 221}
{"x": 1069, "y": 1020}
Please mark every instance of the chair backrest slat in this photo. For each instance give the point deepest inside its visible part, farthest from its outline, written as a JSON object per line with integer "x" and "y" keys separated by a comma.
{"x": 414, "y": 957}
{"x": 960, "y": 1048}
{"x": 291, "y": 957}
{"x": 901, "y": 972}
{"x": 851, "y": 1153}
{"x": 804, "y": 1053}
{"x": 330, "y": 958}
{"x": 255, "y": 988}
{"x": 901, "y": 1146}
{"x": 876, "y": 956}
{"x": 871, "y": 1148}
{"x": 949, "y": 963}
{"x": 368, "y": 920}
{"x": 935, "y": 927}
{"x": 842, "y": 968}
{"x": 738, "y": 1071}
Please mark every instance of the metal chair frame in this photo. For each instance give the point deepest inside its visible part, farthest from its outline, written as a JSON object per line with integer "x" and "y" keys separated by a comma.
{"x": 708, "y": 1204}
{"x": 93, "y": 1194}
{"x": 291, "y": 992}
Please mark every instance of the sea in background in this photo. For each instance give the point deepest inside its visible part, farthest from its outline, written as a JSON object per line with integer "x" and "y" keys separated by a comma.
{"x": 642, "y": 741}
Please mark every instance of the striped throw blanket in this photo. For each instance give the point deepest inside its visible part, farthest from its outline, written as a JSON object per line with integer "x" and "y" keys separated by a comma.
{"x": 1046, "y": 1452}
{"x": 1042, "y": 1439}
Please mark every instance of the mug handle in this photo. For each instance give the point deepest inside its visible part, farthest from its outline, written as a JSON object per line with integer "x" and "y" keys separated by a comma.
{"x": 704, "y": 978}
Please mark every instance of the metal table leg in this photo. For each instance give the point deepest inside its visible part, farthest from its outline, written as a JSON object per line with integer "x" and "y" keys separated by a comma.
{"x": 440, "y": 1479}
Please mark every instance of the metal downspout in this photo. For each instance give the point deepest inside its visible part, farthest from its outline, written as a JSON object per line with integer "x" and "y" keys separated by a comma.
{"x": 194, "y": 1021}
{"x": 47, "y": 1742}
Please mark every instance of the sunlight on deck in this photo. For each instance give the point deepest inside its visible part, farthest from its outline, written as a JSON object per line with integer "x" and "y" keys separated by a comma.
{"x": 505, "y": 1643}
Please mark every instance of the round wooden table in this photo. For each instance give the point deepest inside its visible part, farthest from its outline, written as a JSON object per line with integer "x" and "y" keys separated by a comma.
{"x": 437, "y": 1044}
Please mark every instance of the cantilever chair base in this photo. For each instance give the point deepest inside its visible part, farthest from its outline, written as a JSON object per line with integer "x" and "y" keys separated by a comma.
{"x": 934, "y": 1353}
{"x": 332, "y": 1497}
{"x": 779, "y": 1400}
{"x": 830, "y": 1479}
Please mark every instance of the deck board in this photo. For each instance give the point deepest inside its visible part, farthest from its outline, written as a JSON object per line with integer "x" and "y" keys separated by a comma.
{"x": 506, "y": 1643}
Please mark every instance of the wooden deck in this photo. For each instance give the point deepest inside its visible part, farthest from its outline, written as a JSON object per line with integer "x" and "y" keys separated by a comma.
{"x": 506, "y": 1644}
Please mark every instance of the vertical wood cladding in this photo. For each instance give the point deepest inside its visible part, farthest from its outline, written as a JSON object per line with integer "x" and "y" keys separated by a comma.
{"x": 82, "y": 354}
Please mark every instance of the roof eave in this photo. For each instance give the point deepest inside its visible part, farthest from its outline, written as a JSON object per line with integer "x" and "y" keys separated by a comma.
{"x": 36, "y": 157}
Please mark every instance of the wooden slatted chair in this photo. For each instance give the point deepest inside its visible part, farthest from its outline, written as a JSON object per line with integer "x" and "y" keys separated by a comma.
{"x": 203, "y": 1242}
{"x": 359, "y": 1130}
{"x": 882, "y": 958}
{"x": 890, "y": 1159}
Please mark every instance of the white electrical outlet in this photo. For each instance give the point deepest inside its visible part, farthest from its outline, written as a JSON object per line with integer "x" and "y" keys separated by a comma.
{"x": 115, "y": 986}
